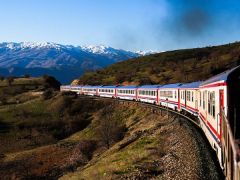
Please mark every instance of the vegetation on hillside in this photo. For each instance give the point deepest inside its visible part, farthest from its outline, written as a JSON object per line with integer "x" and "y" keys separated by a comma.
{"x": 13, "y": 88}
{"x": 45, "y": 134}
{"x": 35, "y": 121}
{"x": 168, "y": 67}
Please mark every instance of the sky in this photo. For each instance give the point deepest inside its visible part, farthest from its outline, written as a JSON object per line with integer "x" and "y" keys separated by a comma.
{"x": 126, "y": 24}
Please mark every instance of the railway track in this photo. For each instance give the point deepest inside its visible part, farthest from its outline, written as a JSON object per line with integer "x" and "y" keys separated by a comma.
{"x": 155, "y": 108}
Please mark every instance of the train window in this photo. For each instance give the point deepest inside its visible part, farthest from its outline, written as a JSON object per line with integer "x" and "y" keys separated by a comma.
{"x": 188, "y": 95}
{"x": 204, "y": 93}
{"x": 175, "y": 94}
{"x": 209, "y": 108}
{"x": 167, "y": 94}
{"x": 211, "y": 103}
{"x": 200, "y": 102}
{"x": 192, "y": 96}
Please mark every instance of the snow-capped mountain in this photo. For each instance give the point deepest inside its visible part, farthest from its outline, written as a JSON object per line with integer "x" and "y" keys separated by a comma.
{"x": 65, "y": 62}
{"x": 145, "y": 53}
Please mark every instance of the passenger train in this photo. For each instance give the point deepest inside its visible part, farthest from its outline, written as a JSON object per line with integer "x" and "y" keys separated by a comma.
{"x": 215, "y": 102}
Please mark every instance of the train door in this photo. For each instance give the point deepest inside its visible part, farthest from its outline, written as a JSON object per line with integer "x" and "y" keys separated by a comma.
{"x": 196, "y": 97}
{"x": 221, "y": 109}
{"x": 179, "y": 107}
{"x": 185, "y": 98}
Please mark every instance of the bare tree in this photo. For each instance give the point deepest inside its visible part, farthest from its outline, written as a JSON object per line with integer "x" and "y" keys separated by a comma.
{"x": 110, "y": 129}
{"x": 10, "y": 80}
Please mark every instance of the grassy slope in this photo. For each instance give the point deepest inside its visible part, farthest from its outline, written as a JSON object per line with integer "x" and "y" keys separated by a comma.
{"x": 23, "y": 81}
{"x": 154, "y": 147}
{"x": 32, "y": 150}
{"x": 169, "y": 67}
{"x": 41, "y": 137}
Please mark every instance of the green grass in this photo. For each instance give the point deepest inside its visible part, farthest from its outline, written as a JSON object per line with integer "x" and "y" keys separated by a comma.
{"x": 23, "y": 81}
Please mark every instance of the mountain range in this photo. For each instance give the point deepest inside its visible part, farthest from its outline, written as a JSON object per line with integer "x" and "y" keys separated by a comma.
{"x": 65, "y": 62}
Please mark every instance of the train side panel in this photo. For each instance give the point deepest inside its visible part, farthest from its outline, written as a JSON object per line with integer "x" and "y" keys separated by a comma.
{"x": 189, "y": 100}
{"x": 210, "y": 104}
{"x": 126, "y": 93}
{"x": 169, "y": 98}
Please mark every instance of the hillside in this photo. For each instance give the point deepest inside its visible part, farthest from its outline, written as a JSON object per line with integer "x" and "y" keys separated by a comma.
{"x": 64, "y": 62}
{"x": 75, "y": 138}
{"x": 168, "y": 67}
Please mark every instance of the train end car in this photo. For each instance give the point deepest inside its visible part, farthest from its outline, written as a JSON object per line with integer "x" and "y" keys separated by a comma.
{"x": 65, "y": 88}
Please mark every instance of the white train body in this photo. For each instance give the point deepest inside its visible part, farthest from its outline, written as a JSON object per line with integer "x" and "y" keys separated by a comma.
{"x": 107, "y": 91}
{"x": 148, "y": 94}
{"x": 168, "y": 96}
{"x": 188, "y": 97}
{"x": 90, "y": 90}
{"x": 127, "y": 92}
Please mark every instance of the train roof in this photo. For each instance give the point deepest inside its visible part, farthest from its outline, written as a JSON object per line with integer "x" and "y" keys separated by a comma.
{"x": 89, "y": 86}
{"x": 107, "y": 86}
{"x": 191, "y": 85}
{"x": 149, "y": 86}
{"x": 220, "y": 77}
{"x": 127, "y": 87}
{"x": 75, "y": 85}
{"x": 176, "y": 85}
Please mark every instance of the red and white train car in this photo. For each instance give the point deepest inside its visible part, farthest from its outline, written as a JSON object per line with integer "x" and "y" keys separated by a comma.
{"x": 148, "y": 93}
{"x": 188, "y": 97}
{"x": 90, "y": 90}
{"x": 65, "y": 88}
{"x": 127, "y": 92}
{"x": 107, "y": 91}
{"x": 168, "y": 96}
{"x": 218, "y": 94}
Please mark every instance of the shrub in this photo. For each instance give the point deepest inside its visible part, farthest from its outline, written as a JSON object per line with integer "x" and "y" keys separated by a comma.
{"x": 81, "y": 153}
{"x": 51, "y": 82}
{"x": 47, "y": 94}
{"x": 10, "y": 80}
